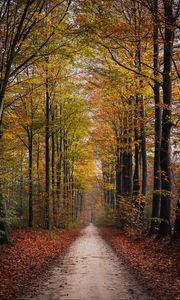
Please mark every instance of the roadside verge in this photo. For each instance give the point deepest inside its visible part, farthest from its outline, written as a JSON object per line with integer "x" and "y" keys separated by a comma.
{"x": 29, "y": 254}
{"x": 156, "y": 262}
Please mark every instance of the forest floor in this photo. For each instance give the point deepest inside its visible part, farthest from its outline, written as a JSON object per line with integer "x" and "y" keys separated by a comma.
{"x": 156, "y": 262}
{"x": 79, "y": 264}
{"x": 28, "y": 255}
{"x": 90, "y": 270}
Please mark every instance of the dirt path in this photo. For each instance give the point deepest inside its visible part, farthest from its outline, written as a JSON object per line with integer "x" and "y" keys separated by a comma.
{"x": 90, "y": 270}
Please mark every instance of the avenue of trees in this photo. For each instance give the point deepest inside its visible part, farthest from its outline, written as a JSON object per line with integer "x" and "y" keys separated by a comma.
{"x": 89, "y": 93}
{"x": 137, "y": 82}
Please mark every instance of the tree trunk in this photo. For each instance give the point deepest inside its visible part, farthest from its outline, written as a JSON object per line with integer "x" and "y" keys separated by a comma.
{"x": 127, "y": 159}
{"x": 105, "y": 185}
{"x": 64, "y": 171}
{"x": 118, "y": 178}
{"x": 47, "y": 158}
{"x": 21, "y": 194}
{"x": 130, "y": 164}
{"x": 30, "y": 150}
{"x": 166, "y": 181}
{"x": 144, "y": 156}
{"x": 136, "y": 184}
{"x": 72, "y": 190}
{"x": 112, "y": 204}
{"x": 53, "y": 171}
{"x": 57, "y": 168}
{"x": 4, "y": 227}
{"x": 157, "y": 138}
{"x": 37, "y": 167}
{"x": 59, "y": 159}
{"x": 176, "y": 234}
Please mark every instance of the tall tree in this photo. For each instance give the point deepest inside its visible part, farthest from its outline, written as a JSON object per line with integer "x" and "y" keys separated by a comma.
{"x": 47, "y": 149}
{"x": 165, "y": 155}
{"x": 157, "y": 137}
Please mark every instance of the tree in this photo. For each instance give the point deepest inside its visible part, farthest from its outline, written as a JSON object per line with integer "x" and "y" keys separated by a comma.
{"x": 157, "y": 137}
{"x": 165, "y": 156}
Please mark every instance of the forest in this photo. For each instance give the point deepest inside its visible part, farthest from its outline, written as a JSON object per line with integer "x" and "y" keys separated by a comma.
{"x": 89, "y": 123}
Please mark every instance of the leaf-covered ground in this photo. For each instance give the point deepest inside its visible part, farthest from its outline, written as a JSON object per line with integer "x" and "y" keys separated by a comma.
{"x": 157, "y": 262}
{"x": 29, "y": 254}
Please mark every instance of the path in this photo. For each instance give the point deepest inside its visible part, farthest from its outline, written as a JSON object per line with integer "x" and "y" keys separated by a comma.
{"x": 89, "y": 271}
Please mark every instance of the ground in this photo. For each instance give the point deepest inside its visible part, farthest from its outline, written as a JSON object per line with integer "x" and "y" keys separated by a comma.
{"x": 156, "y": 261}
{"x": 80, "y": 264}
{"x": 89, "y": 270}
{"x": 30, "y": 254}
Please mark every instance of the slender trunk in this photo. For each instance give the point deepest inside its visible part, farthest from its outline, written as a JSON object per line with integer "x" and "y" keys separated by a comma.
{"x": 110, "y": 189}
{"x": 59, "y": 160}
{"x": 113, "y": 201}
{"x": 72, "y": 190}
{"x": 4, "y": 227}
{"x": 127, "y": 160}
{"x": 76, "y": 202}
{"x": 105, "y": 183}
{"x": 65, "y": 171}
{"x": 166, "y": 181}
{"x": 105, "y": 186}
{"x": 53, "y": 172}
{"x": 130, "y": 175}
{"x": 21, "y": 195}
{"x": 157, "y": 138}
{"x": 30, "y": 150}
{"x": 136, "y": 184}
{"x": 137, "y": 61}
{"x": 144, "y": 156}
{"x": 68, "y": 185}
{"x": 57, "y": 168}
{"x": 130, "y": 165}
{"x": 37, "y": 167}
{"x": 124, "y": 155}
{"x": 118, "y": 178}
{"x": 47, "y": 157}
{"x": 118, "y": 172}
{"x": 176, "y": 234}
